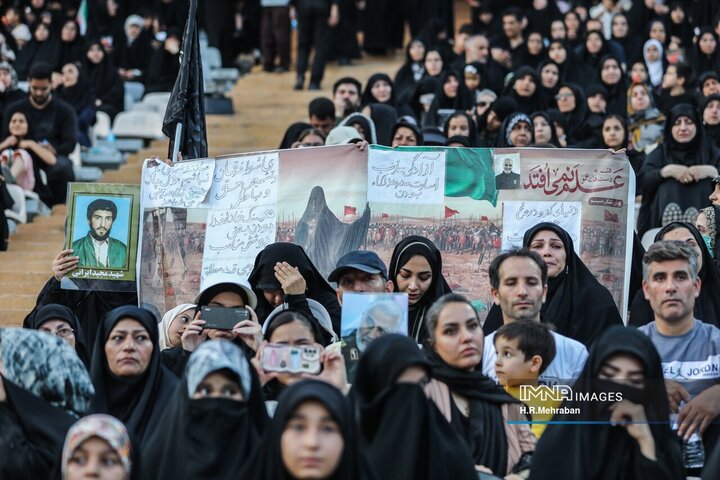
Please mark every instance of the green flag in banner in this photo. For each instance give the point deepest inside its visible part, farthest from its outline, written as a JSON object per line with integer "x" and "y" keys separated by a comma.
{"x": 469, "y": 173}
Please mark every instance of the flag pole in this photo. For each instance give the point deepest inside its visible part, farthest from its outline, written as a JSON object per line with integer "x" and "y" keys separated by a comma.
{"x": 176, "y": 143}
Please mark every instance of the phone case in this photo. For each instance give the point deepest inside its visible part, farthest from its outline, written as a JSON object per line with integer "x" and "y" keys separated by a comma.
{"x": 290, "y": 359}
{"x": 220, "y": 318}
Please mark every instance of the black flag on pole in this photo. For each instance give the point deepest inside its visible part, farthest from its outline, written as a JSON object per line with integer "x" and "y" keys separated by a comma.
{"x": 187, "y": 101}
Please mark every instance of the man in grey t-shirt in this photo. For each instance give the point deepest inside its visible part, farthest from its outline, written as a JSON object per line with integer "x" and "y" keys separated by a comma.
{"x": 689, "y": 349}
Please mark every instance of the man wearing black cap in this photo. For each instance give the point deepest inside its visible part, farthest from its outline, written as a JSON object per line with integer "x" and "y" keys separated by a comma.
{"x": 360, "y": 272}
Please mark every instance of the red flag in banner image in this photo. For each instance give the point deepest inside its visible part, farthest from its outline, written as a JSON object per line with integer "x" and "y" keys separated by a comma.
{"x": 449, "y": 212}
{"x": 350, "y": 210}
{"x": 384, "y": 215}
{"x": 611, "y": 217}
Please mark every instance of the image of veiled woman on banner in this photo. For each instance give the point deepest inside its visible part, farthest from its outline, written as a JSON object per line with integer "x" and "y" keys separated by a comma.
{"x": 324, "y": 237}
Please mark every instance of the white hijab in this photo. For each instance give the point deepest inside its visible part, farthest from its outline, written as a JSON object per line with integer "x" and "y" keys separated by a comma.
{"x": 655, "y": 69}
{"x": 166, "y": 322}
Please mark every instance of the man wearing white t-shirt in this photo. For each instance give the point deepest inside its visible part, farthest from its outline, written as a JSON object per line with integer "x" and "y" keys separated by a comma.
{"x": 518, "y": 280}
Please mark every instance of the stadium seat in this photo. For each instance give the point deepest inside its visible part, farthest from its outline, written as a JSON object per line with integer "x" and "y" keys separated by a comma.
{"x": 18, "y": 212}
{"x": 134, "y": 92}
{"x": 142, "y": 125}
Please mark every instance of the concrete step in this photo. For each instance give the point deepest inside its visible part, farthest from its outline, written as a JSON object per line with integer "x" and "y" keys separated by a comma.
{"x": 24, "y": 288}
{"x": 12, "y": 318}
{"x": 36, "y": 278}
{"x": 24, "y": 302}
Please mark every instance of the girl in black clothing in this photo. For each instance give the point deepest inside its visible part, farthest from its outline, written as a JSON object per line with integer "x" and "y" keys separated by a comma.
{"x": 629, "y": 41}
{"x": 76, "y": 91}
{"x": 615, "y": 136}
{"x": 593, "y": 50}
{"x": 451, "y": 94}
{"x": 549, "y": 73}
{"x": 526, "y": 89}
{"x": 71, "y": 43}
{"x": 104, "y": 80}
{"x": 705, "y": 53}
{"x": 613, "y": 79}
{"x": 379, "y": 89}
{"x": 412, "y": 71}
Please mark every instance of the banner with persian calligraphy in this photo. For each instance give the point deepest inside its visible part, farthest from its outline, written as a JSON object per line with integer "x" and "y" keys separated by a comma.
{"x": 331, "y": 200}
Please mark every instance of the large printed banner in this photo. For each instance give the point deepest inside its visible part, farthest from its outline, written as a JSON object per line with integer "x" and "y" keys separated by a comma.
{"x": 206, "y": 220}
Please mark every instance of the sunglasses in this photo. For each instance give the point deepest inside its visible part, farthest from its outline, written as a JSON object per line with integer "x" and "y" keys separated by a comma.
{"x": 482, "y": 104}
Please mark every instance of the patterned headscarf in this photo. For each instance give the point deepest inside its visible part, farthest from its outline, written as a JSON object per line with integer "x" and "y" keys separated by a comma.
{"x": 712, "y": 226}
{"x": 217, "y": 355}
{"x": 47, "y": 367}
{"x": 164, "y": 327}
{"x": 520, "y": 117}
{"x": 103, "y": 427}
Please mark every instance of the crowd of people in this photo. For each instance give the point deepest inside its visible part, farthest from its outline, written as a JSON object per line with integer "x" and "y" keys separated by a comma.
{"x": 94, "y": 386}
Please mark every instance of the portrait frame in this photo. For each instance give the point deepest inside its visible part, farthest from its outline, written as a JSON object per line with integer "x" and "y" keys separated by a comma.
{"x": 123, "y": 236}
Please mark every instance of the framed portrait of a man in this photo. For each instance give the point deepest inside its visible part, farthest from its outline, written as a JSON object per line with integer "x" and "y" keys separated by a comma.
{"x": 102, "y": 230}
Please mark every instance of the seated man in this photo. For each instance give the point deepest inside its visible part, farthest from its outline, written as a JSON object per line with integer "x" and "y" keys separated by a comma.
{"x": 53, "y": 124}
{"x": 689, "y": 349}
{"x": 518, "y": 280}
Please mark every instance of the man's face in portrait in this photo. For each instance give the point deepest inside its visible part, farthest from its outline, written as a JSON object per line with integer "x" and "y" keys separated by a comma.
{"x": 100, "y": 224}
{"x": 507, "y": 166}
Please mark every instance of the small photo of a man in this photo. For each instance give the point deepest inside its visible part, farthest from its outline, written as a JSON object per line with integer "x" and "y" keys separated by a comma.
{"x": 508, "y": 179}
{"x": 97, "y": 248}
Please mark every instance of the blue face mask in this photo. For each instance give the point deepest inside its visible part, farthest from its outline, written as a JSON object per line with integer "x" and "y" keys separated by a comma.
{"x": 708, "y": 244}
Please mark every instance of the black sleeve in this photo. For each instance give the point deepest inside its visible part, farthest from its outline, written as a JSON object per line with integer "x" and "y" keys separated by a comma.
{"x": 67, "y": 125}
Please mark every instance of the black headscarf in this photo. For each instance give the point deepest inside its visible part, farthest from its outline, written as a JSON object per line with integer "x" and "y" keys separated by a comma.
{"x": 577, "y": 118}
{"x": 138, "y": 402}
{"x": 503, "y": 108}
{"x": 659, "y": 193}
{"x": 707, "y": 304}
{"x": 70, "y": 52}
{"x": 80, "y": 95}
{"x": 702, "y": 62}
{"x": 602, "y": 451}
{"x": 292, "y": 133}
{"x": 568, "y": 296}
{"x": 267, "y": 462}
{"x": 384, "y": 117}
{"x": 593, "y": 60}
{"x": 262, "y": 278}
{"x": 368, "y": 97}
{"x": 187, "y": 442}
{"x": 553, "y": 132}
{"x": 503, "y": 138}
{"x": 548, "y": 94}
{"x": 486, "y": 427}
{"x": 471, "y": 137}
{"x": 617, "y": 92}
{"x": 105, "y": 81}
{"x": 423, "y": 445}
{"x": 462, "y": 100}
{"x": 536, "y": 101}
{"x": 712, "y": 132}
{"x": 53, "y": 311}
{"x": 407, "y": 248}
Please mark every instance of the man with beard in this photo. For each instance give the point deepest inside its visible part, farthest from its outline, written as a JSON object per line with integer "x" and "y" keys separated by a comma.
{"x": 519, "y": 282}
{"x": 97, "y": 249}
{"x": 507, "y": 180}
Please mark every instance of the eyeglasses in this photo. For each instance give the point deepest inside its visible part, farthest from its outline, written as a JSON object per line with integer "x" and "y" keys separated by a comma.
{"x": 563, "y": 95}
{"x": 63, "y": 332}
{"x": 481, "y": 104}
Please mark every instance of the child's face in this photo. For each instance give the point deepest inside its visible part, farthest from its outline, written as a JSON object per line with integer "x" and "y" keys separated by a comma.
{"x": 511, "y": 367}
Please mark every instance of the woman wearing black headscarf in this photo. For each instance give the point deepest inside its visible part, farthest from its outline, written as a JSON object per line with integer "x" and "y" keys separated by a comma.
{"x": 131, "y": 384}
{"x": 265, "y": 281}
{"x": 387, "y": 389}
{"x": 218, "y": 402}
{"x": 461, "y": 124}
{"x": 76, "y": 91}
{"x": 630, "y": 42}
{"x": 571, "y": 69}
{"x": 384, "y": 117}
{"x": 416, "y": 269}
{"x": 450, "y": 94}
{"x": 677, "y": 176}
{"x": 705, "y": 52}
{"x": 572, "y": 104}
{"x": 310, "y": 404}
{"x": 707, "y": 304}
{"x": 44, "y": 47}
{"x": 613, "y": 79}
{"x": 44, "y": 387}
{"x": 490, "y": 123}
{"x": 413, "y": 70}
{"x": 544, "y": 130}
{"x": 516, "y": 131}
{"x": 71, "y": 43}
{"x": 615, "y": 135}
{"x": 525, "y": 89}
{"x": 104, "y": 80}
{"x": 480, "y": 410}
{"x": 630, "y": 439}
{"x": 571, "y": 288}
{"x": 59, "y": 320}
{"x": 592, "y": 50}
{"x": 549, "y": 74}
{"x": 379, "y": 89}
{"x": 709, "y": 114}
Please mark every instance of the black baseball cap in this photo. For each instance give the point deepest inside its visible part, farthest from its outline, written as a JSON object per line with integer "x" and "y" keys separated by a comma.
{"x": 362, "y": 260}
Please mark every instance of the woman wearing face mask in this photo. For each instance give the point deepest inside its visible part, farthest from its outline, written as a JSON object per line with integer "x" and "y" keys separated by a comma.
{"x": 98, "y": 446}
{"x": 388, "y": 387}
{"x": 516, "y": 131}
{"x": 165, "y": 64}
{"x": 646, "y": 121}
{"x": 217, "y": 403}
{"x": 480, "y": 411}
{"x": 708, "y": 224}
{"x": 707, "y": 304}
{"x": 173, "y": 325}
{"x": 312, "y": 436}
{"x": 131, "y": 384}
{"x": 44, "y": 387}
{"x": 677, "y": 175}
{"x": 416, "y": 269}
{"x": 631, "y": 438}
